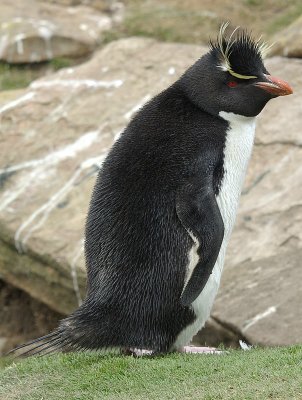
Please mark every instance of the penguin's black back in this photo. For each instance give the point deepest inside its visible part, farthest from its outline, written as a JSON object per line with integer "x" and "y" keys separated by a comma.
{"x": 136, "y": 247}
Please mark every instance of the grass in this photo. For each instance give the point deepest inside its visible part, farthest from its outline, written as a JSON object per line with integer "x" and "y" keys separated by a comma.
{"x": 60, "y": 62}
{"x": 168, "y": 23}
{"x": 285, "y": 19}
{"x": 189, "y": 21}
{"x": 272, "y": 373}
{"x": 20, "y": 76}
{"x": 164, "y": 21}
{"x": 12, "y": 77}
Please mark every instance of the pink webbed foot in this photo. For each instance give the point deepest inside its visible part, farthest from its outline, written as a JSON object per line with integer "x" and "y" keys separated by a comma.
{"x": 137, "y": 352}
{"x": 134, "y": 352}
{"x": 200, "y": 350}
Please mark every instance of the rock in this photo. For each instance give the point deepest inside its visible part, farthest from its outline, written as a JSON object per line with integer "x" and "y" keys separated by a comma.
{"x": 289, "y": 41}
{"x": 42, "y": 31}
{"x": 55, "y": 135}
{"x": 262, "y": 300}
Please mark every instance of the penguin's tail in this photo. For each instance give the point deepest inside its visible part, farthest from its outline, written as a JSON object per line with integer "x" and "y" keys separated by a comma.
{"x": 50, "y": 343}
{"x": 71, "y": 335}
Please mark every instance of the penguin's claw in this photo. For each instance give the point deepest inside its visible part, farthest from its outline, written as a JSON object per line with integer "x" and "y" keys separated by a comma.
{"x": 200, "y": 350}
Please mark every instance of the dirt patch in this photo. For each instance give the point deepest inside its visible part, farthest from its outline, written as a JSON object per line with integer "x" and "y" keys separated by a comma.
{"x": 22, "y": 318}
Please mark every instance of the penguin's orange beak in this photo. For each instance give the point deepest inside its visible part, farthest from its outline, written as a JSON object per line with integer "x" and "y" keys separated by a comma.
{"x": 275, "y": 86}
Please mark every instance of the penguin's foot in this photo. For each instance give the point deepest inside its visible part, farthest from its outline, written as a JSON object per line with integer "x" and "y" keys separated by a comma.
{"x": 134, "y": 352}
{"x": 137, "y": 352}
{"x": 200, "y": 350}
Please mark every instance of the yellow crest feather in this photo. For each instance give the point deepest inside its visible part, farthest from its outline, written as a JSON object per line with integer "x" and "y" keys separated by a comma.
{"x": 225, "y": 49}
{"x": 239, "y": 76}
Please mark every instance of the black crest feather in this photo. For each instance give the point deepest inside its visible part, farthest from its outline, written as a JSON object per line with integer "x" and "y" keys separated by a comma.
{"x": 239, "y": 52}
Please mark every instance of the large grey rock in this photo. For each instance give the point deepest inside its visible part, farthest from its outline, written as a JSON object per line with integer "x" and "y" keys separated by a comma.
{"x": 55, "y": 135}
{"x": 35, "y": 31}
{"x": 262, "y": 300}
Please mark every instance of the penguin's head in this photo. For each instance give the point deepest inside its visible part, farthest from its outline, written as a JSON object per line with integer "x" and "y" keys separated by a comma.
{"x": 231, "y": 77}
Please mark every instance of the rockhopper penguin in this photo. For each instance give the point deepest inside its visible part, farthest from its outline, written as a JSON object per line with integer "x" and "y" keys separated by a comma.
{"x": 164, "y": 206}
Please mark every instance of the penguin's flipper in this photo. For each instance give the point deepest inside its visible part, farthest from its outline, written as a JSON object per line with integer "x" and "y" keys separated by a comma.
{"x": 198, "y": 212}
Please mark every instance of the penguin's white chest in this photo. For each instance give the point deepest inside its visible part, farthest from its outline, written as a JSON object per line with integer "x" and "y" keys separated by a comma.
{"x": 237, "y": 152}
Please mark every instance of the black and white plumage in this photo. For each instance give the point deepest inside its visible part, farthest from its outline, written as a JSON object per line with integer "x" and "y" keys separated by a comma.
{"x": 164, "y": 205}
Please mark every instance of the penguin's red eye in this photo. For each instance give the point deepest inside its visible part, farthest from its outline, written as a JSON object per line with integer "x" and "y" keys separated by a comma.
{"x": 232, "y": 84}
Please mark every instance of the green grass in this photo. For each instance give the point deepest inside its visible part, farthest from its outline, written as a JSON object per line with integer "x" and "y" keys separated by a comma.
{"x": 12, "y": 77}
{"x": 273, "y": 373}
{"x": 164, "y": 21}
{"x": 20, "y": 76}
{"x": 187, "y": 21}
{"x": 60, "y": 62}
{"x": 284, "y": 20}
{"x": 167, "y": 23}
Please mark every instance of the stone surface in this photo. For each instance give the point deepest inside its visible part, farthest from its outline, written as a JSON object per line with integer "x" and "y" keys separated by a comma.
{"x": 262, "y": 300}
{"x": 55, "y": 135}
{"x": 289, "y": 41}
{"x": 35, "y": 31}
